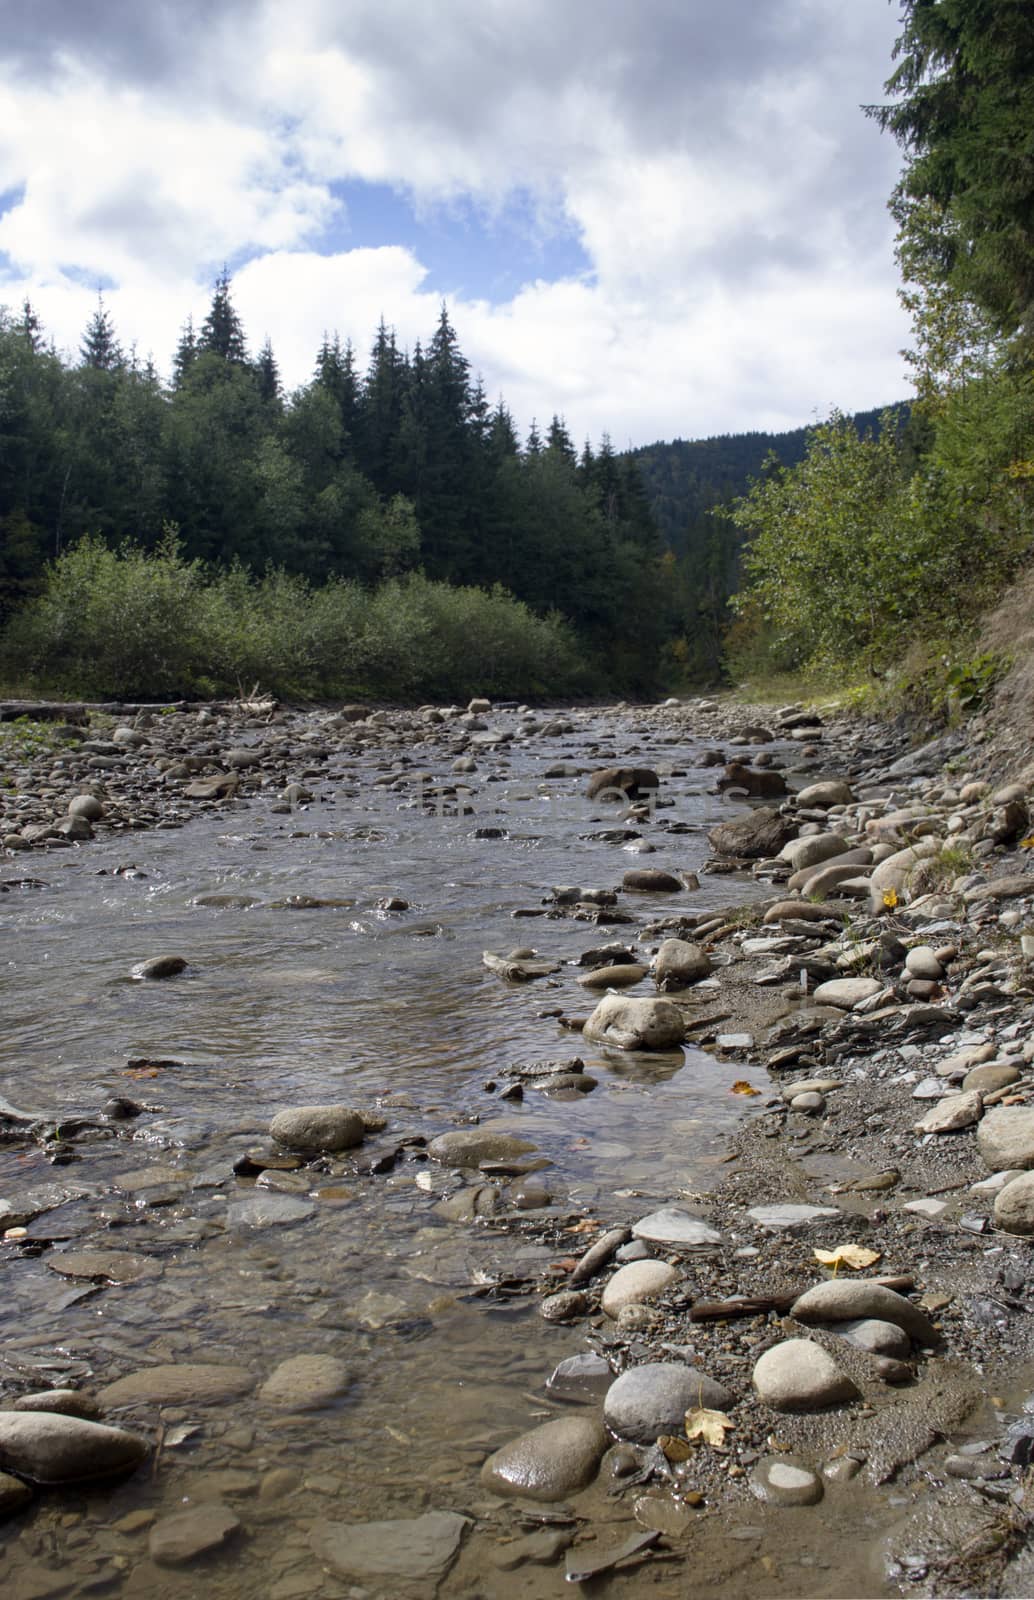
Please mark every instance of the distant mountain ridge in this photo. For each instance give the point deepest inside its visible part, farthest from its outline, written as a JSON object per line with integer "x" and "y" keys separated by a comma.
{"x": 686, "y": 479}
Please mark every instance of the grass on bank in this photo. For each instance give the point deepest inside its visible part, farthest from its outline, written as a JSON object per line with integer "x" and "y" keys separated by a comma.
{"x": 134, "y": 624}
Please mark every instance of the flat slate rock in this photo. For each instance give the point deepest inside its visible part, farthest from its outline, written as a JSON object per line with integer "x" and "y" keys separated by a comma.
{"x": 117, "y": 1266}
{"x": 189, "y": 1383}
{"x": 782, "y": 1217}
{"x": 175, "y": 1540}
{"x": 268, "y": 1211}
{"x": 676, "y": 1228}
{"x": 410, "y": 1548}
{"x": 306, "y": 1382}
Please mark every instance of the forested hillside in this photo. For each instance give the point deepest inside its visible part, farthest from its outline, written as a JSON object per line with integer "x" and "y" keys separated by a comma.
{"x": 375, "y": 469}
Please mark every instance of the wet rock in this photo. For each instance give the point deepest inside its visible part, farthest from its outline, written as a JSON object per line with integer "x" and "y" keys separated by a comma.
{"x": 799, "y": 1375}
{"x": 581, "y": 1377}
{"x": 630, "y": 1024}
{"x": 408, "y": 1549}
{"x": 613, "y": 977}
{"x": 565, "y": 1306}
{"x": 838, "y": 1300}
{"x": 68, "y": 1402}
{"x": 468, "y": 1147}
{"x": 535, "y": 1549}
{"x": 636, "y": 1283}
{"x": 14, "y": 1496}
{"x": 845, "y": 993}
{"x": 1005, "y": 1137}
{"x": 476, "y": 1200}
{"x": 653, "y": 1399}
{"x": 677, "y": 1229}
{"x": 112, "y": 1266}
{"x": 187, "y": 1383}
{"x": 758, "y": 834}
{"x": 679, "y": 964}
{"x": 877, "y": 1337}
{"x": 651, "y": 880}
{"x": 663, "y": 1515}
{"x": 786, "y": 1480}
{"x": 264, "y": 1210}
{"x": 1014, "y": 1206}
{"x": 759, "y": 785}
{"x": 49, "y": 1448}
{"x": 621, "y": 783}
{"x": 549, "y": 1462}
{"x": 318, "y": 1128}
{"x": 305, "y": 1383}
{"x": 175, "y": 1540}
{"x": 159, "y": 967}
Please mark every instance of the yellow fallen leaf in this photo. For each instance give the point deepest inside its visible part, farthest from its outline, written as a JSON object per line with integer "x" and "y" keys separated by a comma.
{"x": 741, "y": 1086}
{"x": 854, "y": 1256}
{"x": 675, "y": 1449}
{"x": 702, "y": 1423}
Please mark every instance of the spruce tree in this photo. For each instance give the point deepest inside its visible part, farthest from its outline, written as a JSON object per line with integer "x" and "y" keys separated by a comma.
{"x": 267, "y": 375}
{"x": 222, "y": 333}
{"x": 100, "y": 348}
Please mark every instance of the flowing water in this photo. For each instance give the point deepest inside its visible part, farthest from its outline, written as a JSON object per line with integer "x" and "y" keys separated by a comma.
{"x": 282, "y": 1006}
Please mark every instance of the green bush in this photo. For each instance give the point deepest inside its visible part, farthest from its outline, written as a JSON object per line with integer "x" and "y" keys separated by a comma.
{"x": 129, "y": 624}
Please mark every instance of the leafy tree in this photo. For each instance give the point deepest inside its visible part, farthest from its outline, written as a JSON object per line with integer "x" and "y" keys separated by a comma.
{"x": 964, "y": 114}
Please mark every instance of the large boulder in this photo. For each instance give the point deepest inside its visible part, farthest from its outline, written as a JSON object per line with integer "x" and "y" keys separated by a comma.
{"x": 621, "y": 783}
{"x": 46, "y": 1447}
{"x": 629, "y": 1024}
{"x": 756, "y": 835}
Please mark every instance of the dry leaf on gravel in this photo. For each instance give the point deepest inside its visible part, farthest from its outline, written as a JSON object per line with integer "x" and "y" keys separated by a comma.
{"x": 702, "y": 1423}
{"x": 854, "y": 1256}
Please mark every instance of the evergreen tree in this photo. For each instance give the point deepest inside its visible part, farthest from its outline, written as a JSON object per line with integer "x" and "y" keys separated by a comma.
{"x": 186, "y": 353}
{"x": 335, "y": 373}
{"x": 222, "y": 333}
{"x": 100, "y": 348}
{"x": 380, "y": 412}
{"x": 267, "y": 374}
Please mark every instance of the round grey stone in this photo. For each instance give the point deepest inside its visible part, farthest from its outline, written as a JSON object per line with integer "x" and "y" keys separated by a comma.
{"x": 635, "y": 1283}
{"x": 1005, "y": 1137}
{"x": 879, "y": 1338}
{"x": 318, "y": 1128}
{"x": 799, "y": 1375}
{"x": 468, "y": 1147}
{"x": 653, "y": 1399}
{"x": 838, "y": 1300}
{"x": 304, "y": 1383}
{"x": 786, "y": 1481}
{"x": 49, "y": 1448}
{"x": 1014, "y": 1206}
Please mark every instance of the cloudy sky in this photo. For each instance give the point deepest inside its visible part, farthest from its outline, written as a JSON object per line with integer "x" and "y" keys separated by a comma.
{"x": 658, "y": 218}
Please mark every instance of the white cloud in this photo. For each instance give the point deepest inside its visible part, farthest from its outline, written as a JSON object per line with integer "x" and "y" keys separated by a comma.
{"x": 711, "y": 159}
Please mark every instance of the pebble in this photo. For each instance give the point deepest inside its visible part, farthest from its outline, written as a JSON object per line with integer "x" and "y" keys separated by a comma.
{"x": 187, "y": 1383}
{"x": 564, "y": 1306}
{"x": 653, "y": 1399}
{"x": 842, "y": 1300}
{"x": 67, "y": 1402}
{"x": 468, "y": 1147}
{"x": 318, "y": 1128}
{"x": 799, "y": 1375}
{"x": 631, "y": 1024}
{"x": 877, "y": 1337}
{"x": 1014, "y": 1206}
{"x": 581, "y": 1377}
{"x": 1005, "y": 1137}
{"x": 921, "y": 962}
{"x": 952, "y": 1113}
{"x": 785, "y": 1480}
{"x": 781, "y": 1218}
{"x": 265, "y": 1210}
{"x": 845, "y": 993}
{"x": 635, "y": 1283}
{"x": 548, "y": 1462}
{"x": 305, "y": 1382}
{"x": 14, "y": 1495}
{"x": 159, "y": 967}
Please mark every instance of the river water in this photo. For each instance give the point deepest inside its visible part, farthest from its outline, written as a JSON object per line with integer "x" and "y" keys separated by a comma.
{"x": 344, "y": 1002}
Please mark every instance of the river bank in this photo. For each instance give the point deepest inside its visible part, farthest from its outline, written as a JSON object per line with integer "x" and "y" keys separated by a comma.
{"x": 918, "y": 1481}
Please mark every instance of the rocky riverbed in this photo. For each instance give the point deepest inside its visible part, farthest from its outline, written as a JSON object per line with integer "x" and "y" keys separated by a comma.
{"x": 790, "y": 1350}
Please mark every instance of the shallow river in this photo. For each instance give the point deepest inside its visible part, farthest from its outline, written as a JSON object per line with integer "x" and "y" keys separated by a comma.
{"x": 280, "y": 1007}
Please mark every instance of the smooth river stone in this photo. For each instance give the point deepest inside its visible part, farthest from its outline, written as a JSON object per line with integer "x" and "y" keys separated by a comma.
{"x": 175, "y": 1540}
{"x": 877, "y": 1337}
{"x": 619, "y": 977}
{"x": 786, "y": 1481}
{"x": 631, "y": 1024}
{"x": 841, "y": 1300}
{"x": 265, "y": 1210}
{"x": 189, "y": 1383}
{"x": 635, "y": 1284}
{"x": 994, "y": 1075}
{"x": 799, "y": 1375}
{"x": 409, "y": 1549}
{"x": 549, "y": 1462}
{"x": 846, "y": 992}
{"x": 653, "y": 1399}
{"x": 14, "y": 1495}
{"x": 118, "y": 1266}
{"x": 304, "y": 1383}
{"x": 1014, "y": 1205}
{"x": 680, "y": 964}
{"x": 318, "y": 1128}
{"x": 812, "y": 849}
{"x": 1005, "y": 1137}
{"x": 678, "y": 1229}
{"x": 468, "y": 1147}
{"x": 68, "y": 1402}
{"x": 49, "y": 1448}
